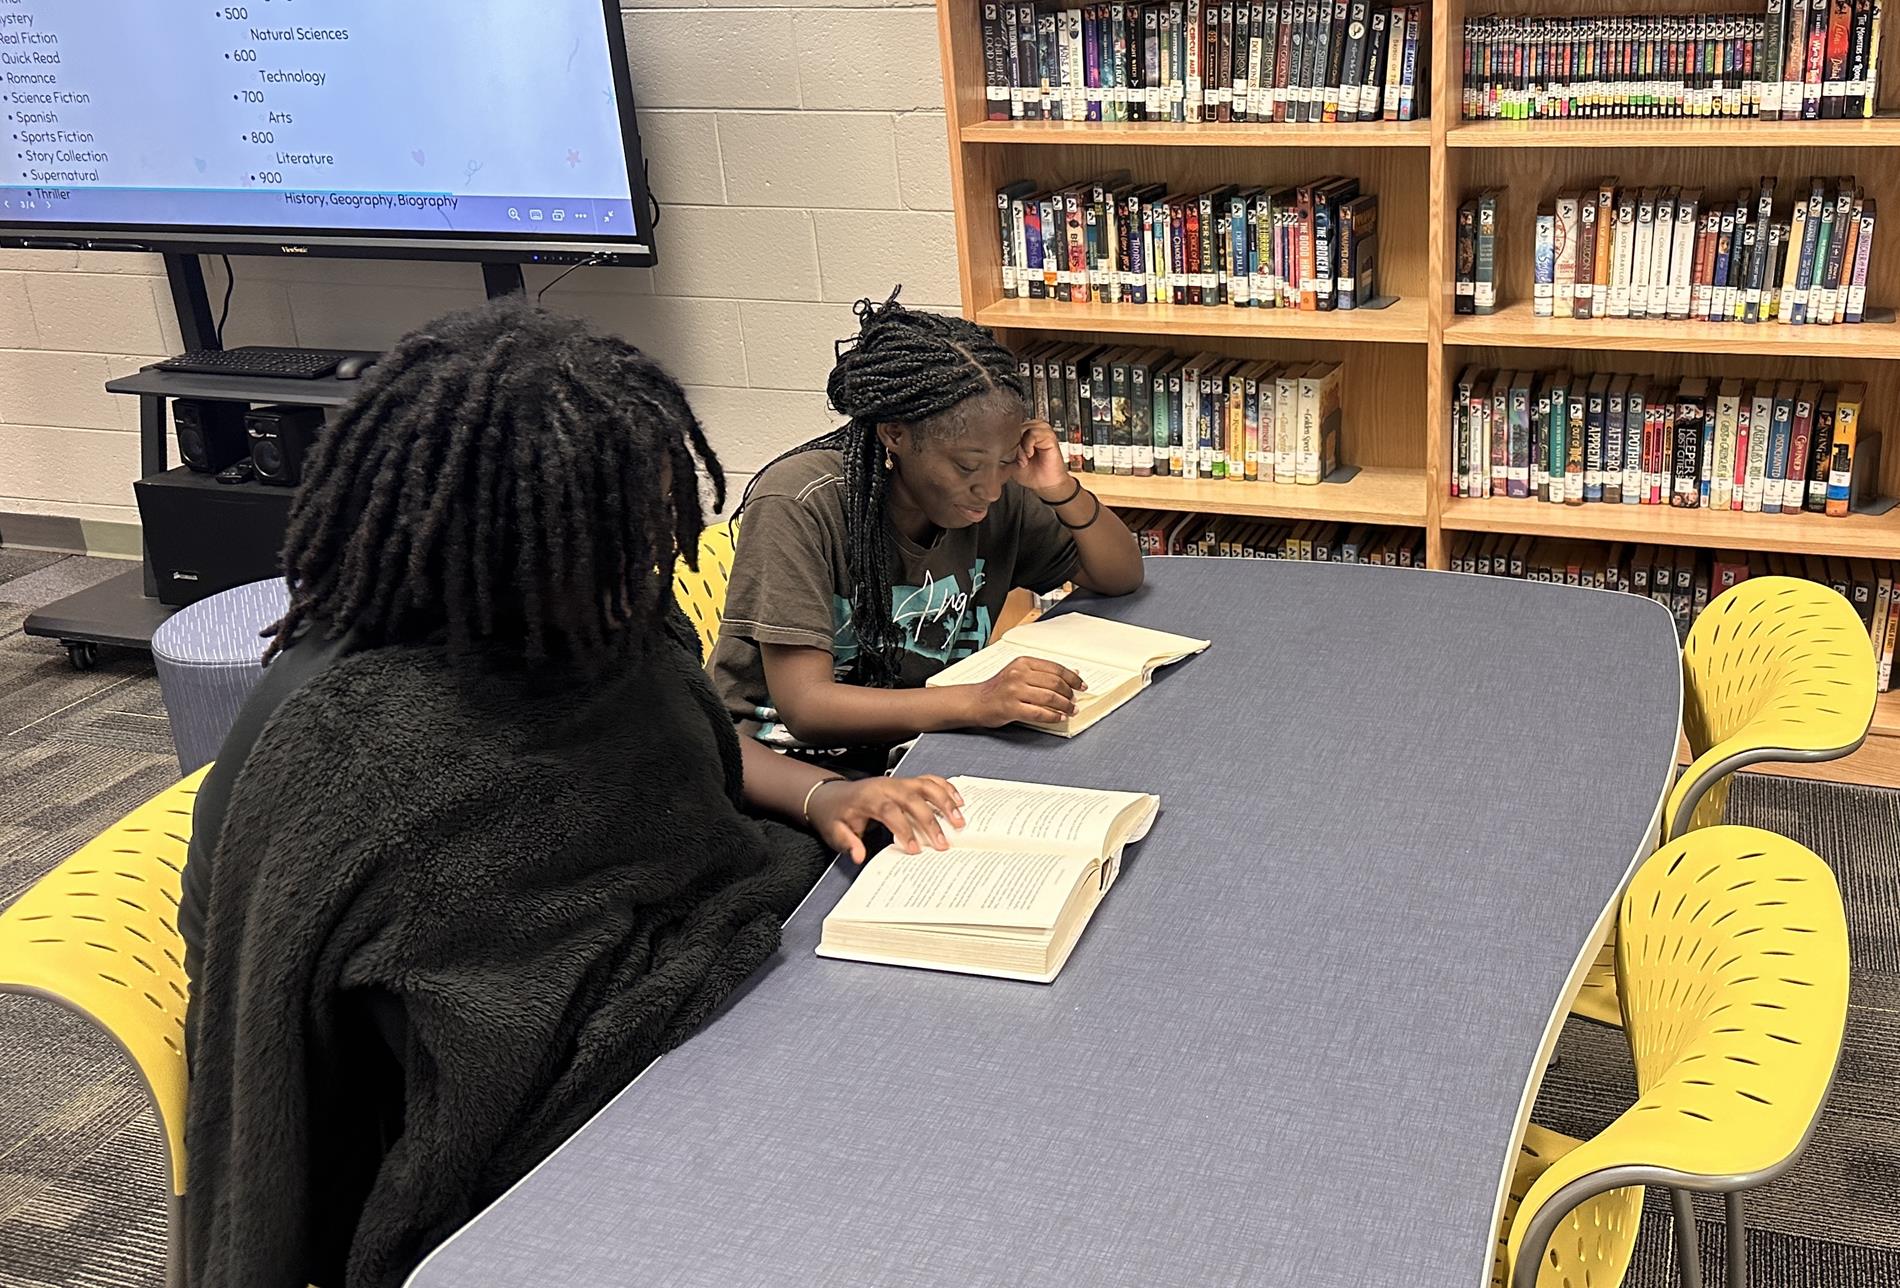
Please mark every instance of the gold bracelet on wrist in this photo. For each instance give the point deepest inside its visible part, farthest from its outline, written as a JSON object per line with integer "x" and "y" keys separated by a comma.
{"x": 805, "y": 809}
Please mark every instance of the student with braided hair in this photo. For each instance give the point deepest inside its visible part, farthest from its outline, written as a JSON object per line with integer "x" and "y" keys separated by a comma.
{"x": 871, "y": 558}
{"x": 483, "y": 841}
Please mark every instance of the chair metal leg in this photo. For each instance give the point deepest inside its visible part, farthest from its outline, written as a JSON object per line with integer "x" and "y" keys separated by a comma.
{"x": 1687, "y": 1253}
{"x": 1737, "y": 1242}
{"x": 174, "y": 1240}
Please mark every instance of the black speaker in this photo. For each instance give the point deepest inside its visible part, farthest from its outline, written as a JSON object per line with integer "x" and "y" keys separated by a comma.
{"x": 205, "y": 536}
{"x": 210, "y": 434}
{"x": 280, "y": 437}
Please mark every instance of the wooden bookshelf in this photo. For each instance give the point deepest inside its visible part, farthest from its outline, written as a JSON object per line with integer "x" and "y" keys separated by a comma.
{"x": 1514, "y": 326}
{"x": 1875, "y": 132}
{"x": 1401, "y": 362}
{"x": 1402, "y": 322}
{"x": 1857, "y": 536}
{"x": 1194, "y": 134}
{"x": 1376, "y": 495}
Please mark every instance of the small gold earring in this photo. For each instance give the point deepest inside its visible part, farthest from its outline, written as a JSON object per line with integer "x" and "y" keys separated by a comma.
{"x": 890, "y": 462}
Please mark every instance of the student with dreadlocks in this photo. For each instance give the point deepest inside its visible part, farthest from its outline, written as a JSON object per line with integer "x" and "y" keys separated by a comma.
{"x": 478, "y": 847}
{"x": 871, "y": 558}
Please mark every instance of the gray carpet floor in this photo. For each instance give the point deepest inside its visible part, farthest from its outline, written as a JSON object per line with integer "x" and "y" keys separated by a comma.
{"x": 81, "y": 1189}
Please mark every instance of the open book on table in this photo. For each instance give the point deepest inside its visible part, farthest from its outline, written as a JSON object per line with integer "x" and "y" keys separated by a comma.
{"x": 1115, "y": 660}
{"x": 1009, "y": 897}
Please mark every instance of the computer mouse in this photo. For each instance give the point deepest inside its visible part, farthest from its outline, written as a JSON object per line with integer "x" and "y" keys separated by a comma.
{"x": 353, "y": 367}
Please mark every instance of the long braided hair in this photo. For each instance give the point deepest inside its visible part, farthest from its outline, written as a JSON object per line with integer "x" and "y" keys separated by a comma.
{"x": 923, "y": 371}
{"x": 502, "y": 479}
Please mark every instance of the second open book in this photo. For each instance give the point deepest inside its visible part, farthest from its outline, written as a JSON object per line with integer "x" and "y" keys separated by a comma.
{"x": 1009, "y": 897}
{"x": 1115, "y": 660}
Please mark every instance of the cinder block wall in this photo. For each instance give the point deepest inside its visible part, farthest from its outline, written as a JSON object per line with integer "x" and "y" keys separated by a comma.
{"x": 798, "y": 151}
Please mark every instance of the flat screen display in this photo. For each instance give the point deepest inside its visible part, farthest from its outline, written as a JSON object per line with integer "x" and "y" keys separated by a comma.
{"x": 461, "y": 128}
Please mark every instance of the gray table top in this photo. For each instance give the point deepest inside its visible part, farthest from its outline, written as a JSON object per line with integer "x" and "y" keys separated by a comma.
{"x": 1294, "y": 1044}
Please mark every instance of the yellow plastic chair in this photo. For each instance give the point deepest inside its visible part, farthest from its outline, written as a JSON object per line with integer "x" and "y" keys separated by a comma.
{"x": 99, "y": 935}
{"x": 1733, "y": 963}
{"x": 703, "y": 593}
{"x": 1776, "y": 669}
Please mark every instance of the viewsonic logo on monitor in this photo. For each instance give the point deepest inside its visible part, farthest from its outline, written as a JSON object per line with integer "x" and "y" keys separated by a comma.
{"x": 295, "y": 250}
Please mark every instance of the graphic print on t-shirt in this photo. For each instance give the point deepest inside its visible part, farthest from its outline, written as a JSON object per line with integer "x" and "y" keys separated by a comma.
{"x": 939, "y": 620}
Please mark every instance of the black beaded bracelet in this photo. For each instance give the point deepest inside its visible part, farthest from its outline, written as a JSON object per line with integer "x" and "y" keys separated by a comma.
{"x": 1093, "y": 516}
{"x": 1055, "y": 505}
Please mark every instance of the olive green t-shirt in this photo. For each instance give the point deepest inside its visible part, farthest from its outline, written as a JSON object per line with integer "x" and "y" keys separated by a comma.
{"x": 791, "y": 584}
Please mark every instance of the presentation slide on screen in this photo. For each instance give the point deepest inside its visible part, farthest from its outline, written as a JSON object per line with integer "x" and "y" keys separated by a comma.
{"x": 464, "y": 116}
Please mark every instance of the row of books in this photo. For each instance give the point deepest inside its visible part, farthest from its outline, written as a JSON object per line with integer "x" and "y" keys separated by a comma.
{"x": 1146, "y": 412}
{"x": 1800, "y": 61}
{"x": 1665, "y": 252}
{"x": 1162, "y": 532}
{"x": 1685, "y": 580}
{"x": 1206, "y": 60}
{"x": 1759, "y": 447}
{"x": 1310, "y": 246}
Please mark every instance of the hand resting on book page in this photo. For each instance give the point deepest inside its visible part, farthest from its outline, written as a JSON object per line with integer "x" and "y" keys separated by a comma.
{"x": 914, "y": 810}
{"x": 1026, "y": 688}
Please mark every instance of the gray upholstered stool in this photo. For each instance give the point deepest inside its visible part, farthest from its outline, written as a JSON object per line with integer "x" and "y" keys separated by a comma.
{"x": 209, "y": 657}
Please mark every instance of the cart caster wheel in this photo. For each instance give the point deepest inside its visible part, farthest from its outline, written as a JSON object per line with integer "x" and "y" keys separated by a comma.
{"x": 84, "y": 656}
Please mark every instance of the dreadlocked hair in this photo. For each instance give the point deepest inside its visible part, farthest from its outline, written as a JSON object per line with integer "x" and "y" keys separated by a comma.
{"x": 920, "y": 370}
{"x": 506, "y": 478}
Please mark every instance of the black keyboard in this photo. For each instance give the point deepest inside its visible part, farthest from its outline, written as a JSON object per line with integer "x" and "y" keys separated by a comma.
{"x": 257, "y": 360}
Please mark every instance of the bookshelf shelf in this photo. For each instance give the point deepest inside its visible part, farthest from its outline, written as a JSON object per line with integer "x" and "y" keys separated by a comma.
{"x": 1404, "y": 322}
{"x": 1514, "y": 326}
{"x": 1397, "y": 134}
{"x": 1874, "y": 132}
{"x": 1375, "y": 495}
{"x": 1887, "y": 716}
{"x": 1856, "y": 536}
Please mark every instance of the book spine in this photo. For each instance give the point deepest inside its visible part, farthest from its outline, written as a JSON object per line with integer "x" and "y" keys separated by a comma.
{"x": 1141, "y": 419}
{"x": 1780, "y": 445}
{"x": 1683, "y": 255}
{"x": 1805, "y": 485}
{"x": 1794, "y": 58}
{"x": 1194, "y": 102}
{"x": 1251, "y": 412}
{"x": 1465, "y": 284}
{"x": 1642, "y": 239}
{"x": 1596, "y": 411}
{"x": 1190, "y": 457}
{"x": 1353, "y": 64}
{"x": 1840, "y": 475}
{"x": 1857, "y": 285}
{"x": 1177, "y": 423}
{"x": 1686, "y": 470}
{"x": 1807, "y": 430}
{"x": 1485, "y": 274}
{"x": 1605, "y": 250}
{"x": 1372, "y": 85}
{"x": 1773, "y": 58}
{"x": 1237, "y": 427}
{"x": 1722, "y": 471}
{"x": 1403, "y": 33}
{"x": 1584, "y": 298}
{"x": 1623, "y": 251}
{"x": 1814, "y": 65}
{"x": 1635, "y": 412}
{"x": 1564, "y": 232}
{"x": 1517, "y": 446}
{"x": 1662, "y": 244}
{"x": 996, "y": 85}
{"x": 1615, "y": 409}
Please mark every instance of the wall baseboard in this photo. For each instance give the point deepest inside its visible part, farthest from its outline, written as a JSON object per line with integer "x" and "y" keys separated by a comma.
{"x": 70, "y": 536}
